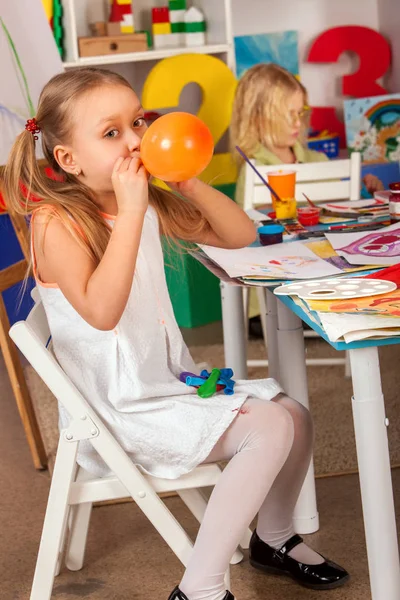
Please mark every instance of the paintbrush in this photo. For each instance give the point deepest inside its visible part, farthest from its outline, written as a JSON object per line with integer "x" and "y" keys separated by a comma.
{"x": 271, "y": 189}
{"x": 310, "y": 202}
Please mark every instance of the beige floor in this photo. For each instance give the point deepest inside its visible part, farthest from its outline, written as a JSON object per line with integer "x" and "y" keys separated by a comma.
{"x": 127, "y": 560}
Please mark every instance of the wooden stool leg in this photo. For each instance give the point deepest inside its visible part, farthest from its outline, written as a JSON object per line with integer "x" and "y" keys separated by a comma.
{"x": 21, "y": 393}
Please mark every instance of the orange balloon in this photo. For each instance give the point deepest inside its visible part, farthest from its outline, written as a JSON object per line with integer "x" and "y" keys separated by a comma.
{"x": 176, "y": 147}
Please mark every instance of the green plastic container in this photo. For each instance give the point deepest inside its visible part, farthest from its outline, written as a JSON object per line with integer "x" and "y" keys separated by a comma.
{"x": 194, "y": 291}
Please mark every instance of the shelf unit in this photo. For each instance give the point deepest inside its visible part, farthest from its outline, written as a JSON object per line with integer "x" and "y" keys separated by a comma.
{"x": 79, "y": 13}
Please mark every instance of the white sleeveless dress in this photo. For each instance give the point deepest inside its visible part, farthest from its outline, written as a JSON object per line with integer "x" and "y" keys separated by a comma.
{"x": 130, "y": 375}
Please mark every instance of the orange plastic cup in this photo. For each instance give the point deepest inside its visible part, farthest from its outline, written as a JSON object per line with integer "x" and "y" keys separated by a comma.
{"x": 284, "y": 184}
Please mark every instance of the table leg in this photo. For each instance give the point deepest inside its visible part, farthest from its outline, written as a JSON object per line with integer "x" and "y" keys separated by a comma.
{"x": 370, "y": 427}
{"x": 293, "y": 377}
{"x": 235, "y": 343}
{"x": 272, "y": 336}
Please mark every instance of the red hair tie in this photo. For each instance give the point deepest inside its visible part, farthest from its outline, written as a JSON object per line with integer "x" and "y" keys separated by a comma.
{"x": 32, "y": 127}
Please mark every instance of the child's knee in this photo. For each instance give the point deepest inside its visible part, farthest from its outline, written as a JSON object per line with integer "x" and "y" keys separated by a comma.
{"x": 275, "y": 422}
{"x": 301, "y": 416}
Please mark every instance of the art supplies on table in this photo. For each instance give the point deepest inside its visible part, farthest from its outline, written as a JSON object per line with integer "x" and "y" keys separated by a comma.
{"x": 270, "y": 234}
{"x": 308, "y": 215}
{"x": 284, "y": 183}
{"x": 281, "y": 184}
{"x": 373, "y": 206}
{"x": 389, "y": 274}
{"x": 344, "y": 327}
{"x": 336, "y": 289}
{"x": 360, "y": 248}
{"x": 280, "y": 261}
{"x": 383, "y": 305}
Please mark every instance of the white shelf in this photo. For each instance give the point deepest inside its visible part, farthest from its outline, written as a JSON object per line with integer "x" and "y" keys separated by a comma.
{"x": 148, "y": 55}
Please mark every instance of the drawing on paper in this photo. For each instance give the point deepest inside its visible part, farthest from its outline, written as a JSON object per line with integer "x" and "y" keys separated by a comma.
{"x": 287, "y": 265}
{"x": 387, "y": 305}
{"x": 376, "y": 245}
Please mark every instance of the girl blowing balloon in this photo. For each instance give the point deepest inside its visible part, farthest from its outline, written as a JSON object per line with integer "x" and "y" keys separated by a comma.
{"x": 98, "y": 263}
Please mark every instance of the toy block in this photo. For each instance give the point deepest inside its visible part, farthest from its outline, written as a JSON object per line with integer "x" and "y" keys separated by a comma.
{"x": 161, "y": 28}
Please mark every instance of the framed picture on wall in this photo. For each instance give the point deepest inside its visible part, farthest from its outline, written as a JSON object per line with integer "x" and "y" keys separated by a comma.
{"x": 280, "y": 48}
{"x": 373, "y": 127}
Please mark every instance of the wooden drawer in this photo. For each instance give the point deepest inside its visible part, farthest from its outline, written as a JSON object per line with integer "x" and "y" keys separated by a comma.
{"x": 116, "y": 44}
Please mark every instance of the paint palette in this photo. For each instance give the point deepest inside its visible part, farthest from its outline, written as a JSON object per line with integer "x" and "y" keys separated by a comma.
{"x": 336, "y": 289}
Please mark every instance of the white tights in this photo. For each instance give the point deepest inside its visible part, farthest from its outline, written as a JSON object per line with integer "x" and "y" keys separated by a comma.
{"x": 269, "y": 447}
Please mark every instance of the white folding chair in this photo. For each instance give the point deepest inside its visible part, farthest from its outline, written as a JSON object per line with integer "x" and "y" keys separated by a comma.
{"x": 74, "y": 490}
{"x": 321, "y": 182}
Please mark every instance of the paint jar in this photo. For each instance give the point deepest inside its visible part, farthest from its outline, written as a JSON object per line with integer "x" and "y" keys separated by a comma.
{"x": 308, "y": 215}
{"x": 394, "y": 202}
{"x": 284, "y": 184}
{"x": 270, "y": 234}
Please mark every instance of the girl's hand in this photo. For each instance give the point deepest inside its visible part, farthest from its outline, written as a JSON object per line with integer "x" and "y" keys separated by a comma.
{"x": 130, "y": 183}
{"x": 373, "y": 183}
{"x": 185, "y": 188}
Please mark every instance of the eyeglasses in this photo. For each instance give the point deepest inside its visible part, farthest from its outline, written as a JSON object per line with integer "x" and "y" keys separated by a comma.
{"x": 298, "y": 115}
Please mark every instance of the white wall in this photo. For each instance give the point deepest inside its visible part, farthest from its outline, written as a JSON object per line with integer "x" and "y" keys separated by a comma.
{"x": 310, "y": 18}
{"x": 389, "y": 26}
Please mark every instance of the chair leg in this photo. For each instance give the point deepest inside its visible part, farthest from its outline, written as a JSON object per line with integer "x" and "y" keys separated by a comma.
{"x": 245, "y": 543}
{"x": 64, "y": 536}
{"x": 197, "y": 504}
{"x": 78, "y": 529}
{"x": 195, "y": 501}
{"x": 76, "y": 547}
{"x": 55, "y": 519}
{"x": 145, "y": 497}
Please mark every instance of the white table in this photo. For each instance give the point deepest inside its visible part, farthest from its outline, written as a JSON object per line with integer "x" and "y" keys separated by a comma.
{"x": 287, "y": 363}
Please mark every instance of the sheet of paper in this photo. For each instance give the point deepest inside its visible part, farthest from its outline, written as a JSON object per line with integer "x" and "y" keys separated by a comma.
{"x": 280, "y": 261}
{"x": 380, "y": 247}
{"x": 323, "y": 249}
{"x": 376, "y": 334}
{"x": 353, "y": 206}
{"x": 337, "y": 326}
{"x": 256, "y": 215}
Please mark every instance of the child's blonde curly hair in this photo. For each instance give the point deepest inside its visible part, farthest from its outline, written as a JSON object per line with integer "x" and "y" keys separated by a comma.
{"x": 260, "y": 110}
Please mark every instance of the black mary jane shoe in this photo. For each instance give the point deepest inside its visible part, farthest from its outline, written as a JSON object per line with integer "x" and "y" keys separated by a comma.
{"x": 324, "y": 576}
{"x": 178, "y": 595}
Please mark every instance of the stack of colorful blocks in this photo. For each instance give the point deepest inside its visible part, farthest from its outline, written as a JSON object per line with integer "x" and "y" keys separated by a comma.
{"x": 173, "y": 26}
{"x": 121, "y": 18}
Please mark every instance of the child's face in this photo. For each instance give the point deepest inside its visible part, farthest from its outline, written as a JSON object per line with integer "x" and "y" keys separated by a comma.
{"x": 109, "y": 123}
{"x": 292, "y": 121}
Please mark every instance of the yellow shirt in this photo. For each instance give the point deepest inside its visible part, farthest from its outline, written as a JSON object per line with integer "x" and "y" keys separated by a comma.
{"x": 263, "y": 156}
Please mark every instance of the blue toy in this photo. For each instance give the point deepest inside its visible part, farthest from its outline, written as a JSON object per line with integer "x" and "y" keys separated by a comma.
{"x": 224, "y": 381}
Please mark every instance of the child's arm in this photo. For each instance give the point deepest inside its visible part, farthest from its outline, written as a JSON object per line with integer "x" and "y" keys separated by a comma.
{"x": 99, "y": 293}
{"x": 228, "y": 225}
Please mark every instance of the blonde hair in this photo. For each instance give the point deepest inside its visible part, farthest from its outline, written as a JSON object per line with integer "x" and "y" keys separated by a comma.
{"x": 26, "y": 185}
{"x": 260, "y": 108}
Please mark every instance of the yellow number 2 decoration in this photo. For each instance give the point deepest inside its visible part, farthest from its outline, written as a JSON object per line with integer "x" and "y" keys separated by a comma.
{"x": 163, "y": 87}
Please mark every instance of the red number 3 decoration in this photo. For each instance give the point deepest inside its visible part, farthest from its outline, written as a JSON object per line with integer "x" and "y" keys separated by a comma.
{"x": 374, "y": 55}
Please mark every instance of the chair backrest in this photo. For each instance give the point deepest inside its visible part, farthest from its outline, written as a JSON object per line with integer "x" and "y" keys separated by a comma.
{"x": 320, "y": 181}
{"x": 32, "y": 337}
